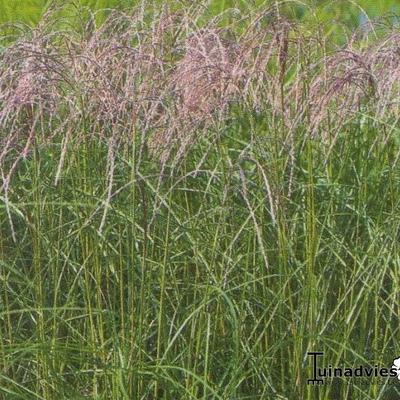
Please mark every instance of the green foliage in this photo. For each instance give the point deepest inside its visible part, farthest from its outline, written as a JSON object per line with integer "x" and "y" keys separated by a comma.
{"x": 192, "y": 290}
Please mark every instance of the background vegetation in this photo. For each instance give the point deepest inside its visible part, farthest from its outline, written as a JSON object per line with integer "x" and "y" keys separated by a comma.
{"x": 340, "y": 12}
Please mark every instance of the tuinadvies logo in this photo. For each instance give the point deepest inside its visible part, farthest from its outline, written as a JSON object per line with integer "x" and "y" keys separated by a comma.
{"x": 320, "y": 372}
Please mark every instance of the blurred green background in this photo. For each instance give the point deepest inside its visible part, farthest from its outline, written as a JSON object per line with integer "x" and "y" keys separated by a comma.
{"x": 347, "y": 12}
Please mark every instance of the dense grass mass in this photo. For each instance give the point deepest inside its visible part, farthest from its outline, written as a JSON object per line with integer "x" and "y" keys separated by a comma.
{"x": 191, "y": 201}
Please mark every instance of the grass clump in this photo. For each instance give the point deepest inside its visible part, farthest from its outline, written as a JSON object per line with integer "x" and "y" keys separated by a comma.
{"x": 187, "y": 208}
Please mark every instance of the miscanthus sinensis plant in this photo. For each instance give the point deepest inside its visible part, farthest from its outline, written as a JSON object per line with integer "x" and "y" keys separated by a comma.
{"x": 191, "y": 202}
{"x": 169, "y": 80}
